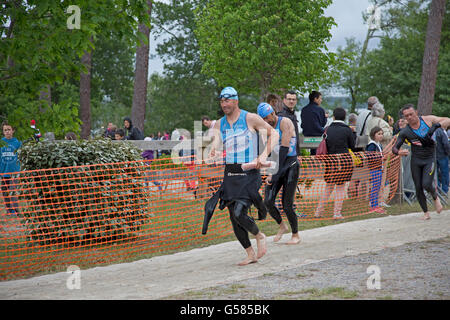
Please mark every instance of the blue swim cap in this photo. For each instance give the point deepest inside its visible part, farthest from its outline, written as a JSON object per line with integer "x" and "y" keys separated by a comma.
{"x": 264, "y": 109}
{"x": 229, "y": 93}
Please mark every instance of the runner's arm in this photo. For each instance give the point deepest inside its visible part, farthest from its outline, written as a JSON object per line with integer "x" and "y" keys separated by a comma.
{"x": 444, "y": 121}
{"x": 287, "y": 131}
{"x": 216, "y": 139}
{"x": 400, "y": 140}
{"x": 258, "y": 124}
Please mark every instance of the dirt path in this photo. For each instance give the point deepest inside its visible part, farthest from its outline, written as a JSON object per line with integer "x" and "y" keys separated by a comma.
{"x": 340, "y": 254}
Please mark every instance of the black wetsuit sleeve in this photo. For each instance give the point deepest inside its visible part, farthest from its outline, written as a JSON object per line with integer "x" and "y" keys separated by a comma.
{"x": 400, "y": 140}
{"x": 281, "y": 163}
{"x": 433, "y": 128}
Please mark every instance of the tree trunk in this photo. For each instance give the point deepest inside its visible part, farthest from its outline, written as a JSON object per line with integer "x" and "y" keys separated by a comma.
{"x": 85, "y": 96}
{"x": 141, "y": 76}
{"x": 431, "y": 57}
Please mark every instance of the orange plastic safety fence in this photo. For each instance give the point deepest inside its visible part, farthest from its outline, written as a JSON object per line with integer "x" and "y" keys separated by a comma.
{"x": 117, "y": 212}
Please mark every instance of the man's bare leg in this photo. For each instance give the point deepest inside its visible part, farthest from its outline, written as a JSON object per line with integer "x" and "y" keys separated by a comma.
{"x": 251, "y": 257}
{"x": 281, "y": 231}
{"x": 295, "y": 239}
{"x": 261, "y": 244}
{"x": 438, "y": 205}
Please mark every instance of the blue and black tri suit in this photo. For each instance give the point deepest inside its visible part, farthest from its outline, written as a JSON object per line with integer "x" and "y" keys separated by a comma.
{"x": 286, "y": 177}
{"x": 239, "y": 189}
{"x": 423, "y": 158}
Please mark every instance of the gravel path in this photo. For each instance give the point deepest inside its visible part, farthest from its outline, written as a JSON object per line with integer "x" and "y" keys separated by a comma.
{"x": 418, "y": 270}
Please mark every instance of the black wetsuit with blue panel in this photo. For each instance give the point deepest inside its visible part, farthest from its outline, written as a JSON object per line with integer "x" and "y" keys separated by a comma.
{"x": 423, "y": 159}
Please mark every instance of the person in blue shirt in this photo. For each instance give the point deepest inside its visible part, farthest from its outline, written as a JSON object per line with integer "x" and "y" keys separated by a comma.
{"x": 376, "y": 166}
{"x": 9, "y": 163}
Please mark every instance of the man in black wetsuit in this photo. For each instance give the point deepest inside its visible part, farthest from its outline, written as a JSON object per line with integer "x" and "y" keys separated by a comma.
{"x": 238, "y": 133}
{"x": 287, "y": 174}
{"x": 423, "y": 153}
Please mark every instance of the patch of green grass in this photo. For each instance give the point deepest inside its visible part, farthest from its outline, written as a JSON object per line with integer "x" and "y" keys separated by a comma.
{"x": 330, "y": 293}
{"x": 302, "y": 275}
{"x": 236, "y": 287}
{"x": 290, "y": 293}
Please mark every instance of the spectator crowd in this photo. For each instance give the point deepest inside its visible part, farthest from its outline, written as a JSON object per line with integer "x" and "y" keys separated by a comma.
{"x": 370, "y": 130}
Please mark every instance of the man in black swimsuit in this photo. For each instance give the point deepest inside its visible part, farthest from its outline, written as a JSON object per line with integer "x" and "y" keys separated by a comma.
{"x": 423, "y": 154}
{"x": 287, "y": 174}
{"x": 237, "y": 133}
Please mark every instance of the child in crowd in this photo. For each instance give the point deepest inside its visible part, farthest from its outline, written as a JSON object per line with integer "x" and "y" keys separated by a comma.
{"x": 9, "y": 163}
{"x": 119, "y": 134}
{"x": 375, "y": 166}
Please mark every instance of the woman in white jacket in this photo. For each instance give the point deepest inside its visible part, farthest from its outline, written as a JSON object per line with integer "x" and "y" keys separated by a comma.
{"x": 377, "y": 121}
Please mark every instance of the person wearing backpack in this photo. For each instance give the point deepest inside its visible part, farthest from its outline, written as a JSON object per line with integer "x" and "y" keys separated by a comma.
{"x": 362, "y": 135}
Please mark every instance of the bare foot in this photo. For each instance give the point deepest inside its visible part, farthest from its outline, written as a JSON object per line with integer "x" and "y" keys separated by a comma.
{"x": 438, "y": 205}
{"x": 247, "y": 261}
{"x": 261, "y": 244}
{"x": 281, "y": 231}
{"x": 294, "y": 240}
{"x": 251, "y": 257}
{"x": 426, "y": 216}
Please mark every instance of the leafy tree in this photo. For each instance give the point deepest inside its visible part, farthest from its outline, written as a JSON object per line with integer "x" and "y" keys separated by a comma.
{"x": 393, "y": 71}
{"x": 182, "y": 94}
{"x": 177, "y": 103}
{"x": 38, "y": 51}
{"x": 179, "y": 48}
{"x": 347, "y": 69}
{"x": 351, "y": 58}
{"x": 261, "y": 47}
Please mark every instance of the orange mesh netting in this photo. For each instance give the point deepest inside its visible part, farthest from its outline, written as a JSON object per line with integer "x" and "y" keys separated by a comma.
{"x": 106, "y": 213}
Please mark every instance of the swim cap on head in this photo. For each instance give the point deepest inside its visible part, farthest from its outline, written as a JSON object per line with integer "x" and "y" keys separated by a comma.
{"x": 229, "y": 93}
{"x": 264, "y": 109}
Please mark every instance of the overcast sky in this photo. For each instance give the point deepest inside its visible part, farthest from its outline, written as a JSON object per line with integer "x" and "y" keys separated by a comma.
{"x": 346, "y": 13}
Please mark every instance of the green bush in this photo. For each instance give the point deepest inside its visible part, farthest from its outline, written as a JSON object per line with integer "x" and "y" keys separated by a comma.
{"x": 78, "y": 204}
